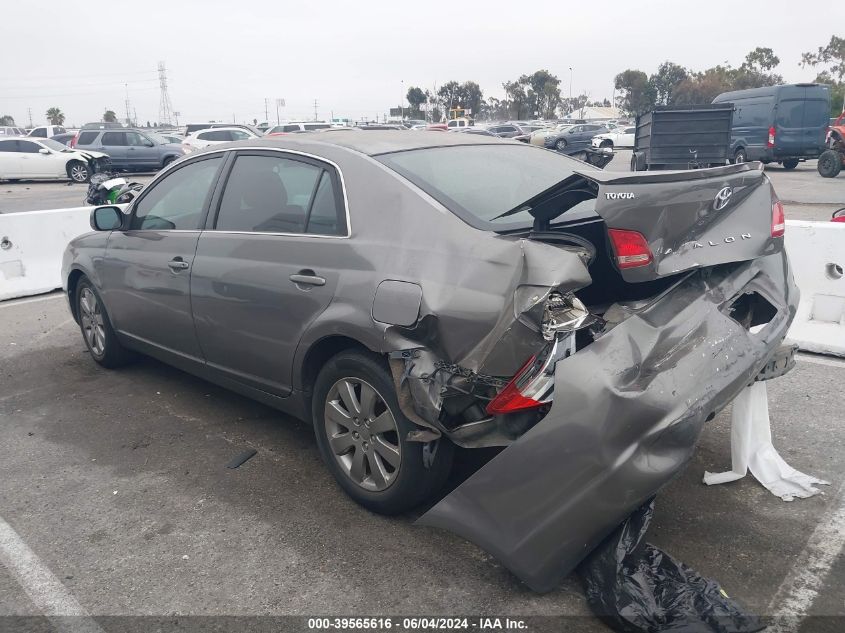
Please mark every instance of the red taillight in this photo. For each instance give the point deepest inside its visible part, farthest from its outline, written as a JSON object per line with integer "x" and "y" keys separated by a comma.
{"x": 778, "y": 219}
{"x": 533, "y": 385}
{"x": 630, "y": 248}
{"x": 72, "y": 142}
{"x": 771, "y": 140}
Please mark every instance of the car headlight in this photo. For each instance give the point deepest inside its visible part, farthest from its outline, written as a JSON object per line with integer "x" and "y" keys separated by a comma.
{"x": 187, "y": 149}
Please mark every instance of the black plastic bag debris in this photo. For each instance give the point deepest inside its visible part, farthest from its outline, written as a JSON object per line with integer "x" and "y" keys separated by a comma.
{"x": 635, "y": 587}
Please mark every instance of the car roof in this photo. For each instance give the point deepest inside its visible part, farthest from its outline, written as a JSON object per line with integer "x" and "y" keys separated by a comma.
{"x": 376, "y": 141}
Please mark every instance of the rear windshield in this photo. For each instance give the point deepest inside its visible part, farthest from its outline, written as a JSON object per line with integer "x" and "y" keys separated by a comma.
{"x": 483, "y": 181}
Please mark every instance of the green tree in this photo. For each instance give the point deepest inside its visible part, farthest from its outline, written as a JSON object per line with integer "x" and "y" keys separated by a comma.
{"x": 7, "y": 120}
{"x": 542, "y": 93}
{"x": 518, "y": 105}
{"x": 55, "y": 116}
{"x": 416, "y": 97}
{"x": 701, "y": 88}
{"x": 664, "y": 81}
{"x": 637, "y": 94}
{"x": 761, "y": 60}
{"x": 832, "y": 55}
{"x": 109, "y": 116}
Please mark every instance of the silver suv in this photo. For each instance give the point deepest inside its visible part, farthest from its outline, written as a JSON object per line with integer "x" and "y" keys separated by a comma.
{"x": 131, "y": 150}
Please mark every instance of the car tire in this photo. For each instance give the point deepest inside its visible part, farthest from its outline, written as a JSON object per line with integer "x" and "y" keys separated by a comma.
{"x": 606, "y": 143}
{"x": 369, "y": 454}
{"x": 167, "y": 161}
{"x": 78, "y": 171}
{"x": 96, "y": 328}
{"x": 560, "y": 144}
{"x": 829, "y": 164}
{"x": 790, "y": 163}
{"x": 740, "y": 156}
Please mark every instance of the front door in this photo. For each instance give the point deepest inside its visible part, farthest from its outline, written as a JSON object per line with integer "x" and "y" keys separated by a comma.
{"x": 268, "y": 265}
{"x": 146, "y": 272}
{"x": 141, "y": 152}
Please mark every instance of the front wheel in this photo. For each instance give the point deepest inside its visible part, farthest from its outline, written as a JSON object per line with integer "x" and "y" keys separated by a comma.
{"x": 560, "y": 145}
{"x": 78, "y": 171}
{"x": 830, "y": 164}
{"x": 606, "y": 143}
{"x": 97, "y": 331}
{"x": 362, "y": 436}
{"x": 790, "y": 163}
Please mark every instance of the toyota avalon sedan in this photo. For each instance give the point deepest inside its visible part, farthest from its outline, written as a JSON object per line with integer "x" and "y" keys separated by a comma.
{"x": 408, "y": 293}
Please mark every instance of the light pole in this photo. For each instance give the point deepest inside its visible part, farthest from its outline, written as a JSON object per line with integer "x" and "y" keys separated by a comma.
{"x": 402, "y": 103}
{"x": 570, "y": 84}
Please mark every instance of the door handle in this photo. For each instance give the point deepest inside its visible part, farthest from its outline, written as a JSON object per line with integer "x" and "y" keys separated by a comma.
{"x": 177, "y": 263}
{"x": 307, "y": 278}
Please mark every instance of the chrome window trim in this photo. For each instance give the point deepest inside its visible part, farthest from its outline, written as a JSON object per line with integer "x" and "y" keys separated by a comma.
{"x": 274, "y": 149}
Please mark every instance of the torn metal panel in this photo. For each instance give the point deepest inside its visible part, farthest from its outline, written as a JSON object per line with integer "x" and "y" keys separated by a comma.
{"x": 627, "y": 412}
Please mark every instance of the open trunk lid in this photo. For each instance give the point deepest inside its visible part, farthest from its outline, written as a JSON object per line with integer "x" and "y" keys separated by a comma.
{"x": 688, "y": 219}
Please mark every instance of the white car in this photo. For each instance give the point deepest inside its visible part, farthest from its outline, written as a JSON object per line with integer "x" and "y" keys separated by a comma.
{"x": 12, "y": 131}
{"x": 30, "y": 158}
{"x": 291, "y": 127}
{"x": 213, "y": 136}
{"x": 46, "y": 131}
{"x": 620, "y": 137}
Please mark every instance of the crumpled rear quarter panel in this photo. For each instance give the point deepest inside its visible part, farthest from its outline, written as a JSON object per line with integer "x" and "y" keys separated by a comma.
{"x": 628, "y": 410}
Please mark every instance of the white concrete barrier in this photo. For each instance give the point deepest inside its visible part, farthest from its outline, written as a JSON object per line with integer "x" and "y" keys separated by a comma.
{"x": 817, "y": 256}
{"x": 31, "y": 247}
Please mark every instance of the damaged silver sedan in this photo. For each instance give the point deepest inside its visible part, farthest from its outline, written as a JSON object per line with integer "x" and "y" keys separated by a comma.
{"x": 413, "y": 292}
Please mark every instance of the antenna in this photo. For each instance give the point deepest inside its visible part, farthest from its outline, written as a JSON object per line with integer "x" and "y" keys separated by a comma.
{"x": 165, "y": 108}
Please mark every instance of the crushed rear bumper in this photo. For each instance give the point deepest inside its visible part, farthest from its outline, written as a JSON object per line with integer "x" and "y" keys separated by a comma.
{"x": 628, "y": 410}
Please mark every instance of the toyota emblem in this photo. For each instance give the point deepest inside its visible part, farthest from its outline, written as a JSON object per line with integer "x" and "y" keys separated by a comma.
{"x": 722, "y": 198}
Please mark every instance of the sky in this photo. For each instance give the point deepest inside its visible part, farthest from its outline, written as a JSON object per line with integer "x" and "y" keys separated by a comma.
{"x": 357, "y": 59}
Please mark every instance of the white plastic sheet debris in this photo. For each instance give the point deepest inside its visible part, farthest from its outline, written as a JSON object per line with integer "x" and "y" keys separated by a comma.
{"x": 752, "y": 449}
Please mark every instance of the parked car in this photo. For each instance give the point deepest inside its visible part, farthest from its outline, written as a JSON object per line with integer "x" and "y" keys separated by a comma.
{"x": 509, "y": 302}
{"x": 475, "y": 130}
{"x": 130, "y": 150}
{"x": 572, "y": 137}
{"x": 12, "y": 131}
{"x": 27, "y": 158}
{"x": 784, "y": 124}
{"x": 46, "y": 131}
{"x": 293, "y": 126}
{"x": 190, "y": 128}
{"x": 167, "y": 137}
{"x": 506, "y": 130}
{"x": 621, "y": 137}
{"x": 213, "y": 136}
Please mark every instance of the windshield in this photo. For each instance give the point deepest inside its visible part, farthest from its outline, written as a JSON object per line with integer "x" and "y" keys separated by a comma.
{"x": 483, "y": 181}
{"x": 53, "y": 145}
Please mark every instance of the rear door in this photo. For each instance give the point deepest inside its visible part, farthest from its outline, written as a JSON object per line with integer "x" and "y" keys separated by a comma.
{"x": 816, "y": 120}
{"x": 789, "y": 121}
{"x": 10, "y": 159}
{"x": 115, "y": 145}
{"x": 146, "y": 271}
{"x": 268, "y": 265}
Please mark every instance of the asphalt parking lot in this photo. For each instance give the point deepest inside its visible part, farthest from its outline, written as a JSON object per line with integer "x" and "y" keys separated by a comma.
{"x": 115, "y": 486}
{"x": 806, "y": 195}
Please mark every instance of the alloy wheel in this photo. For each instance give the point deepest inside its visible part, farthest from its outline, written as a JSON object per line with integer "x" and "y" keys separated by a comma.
{"x": 79, "y": 173}
{"x": 92, "y": 322}
{"x": 362, "y": 434}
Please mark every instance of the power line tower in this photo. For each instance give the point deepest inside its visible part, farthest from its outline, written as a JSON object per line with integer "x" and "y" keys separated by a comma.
{"x": 315, "y": 109}
{"x": 165, "y": 108}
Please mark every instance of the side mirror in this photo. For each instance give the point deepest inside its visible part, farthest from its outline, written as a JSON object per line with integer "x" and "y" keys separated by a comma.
{"x": 148, "y": 143}
{"x": 43, "y": 150}
{"x": 106, "y": 218}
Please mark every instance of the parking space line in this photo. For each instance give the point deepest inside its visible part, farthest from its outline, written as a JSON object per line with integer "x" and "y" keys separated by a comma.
{"x": 48, "y": 594}
{"x": 796, "y": 594}
{"x": 9, "y": 303}
{"x": 819, "y": 359}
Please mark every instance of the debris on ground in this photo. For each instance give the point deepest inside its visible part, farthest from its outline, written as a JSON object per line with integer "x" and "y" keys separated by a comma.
{"x": 635, "y": 587}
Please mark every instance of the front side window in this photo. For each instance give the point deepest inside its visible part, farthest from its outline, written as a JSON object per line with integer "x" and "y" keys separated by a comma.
{"x": 86, "y": 138}
{"x": 269, "y": 194}
{"x": 292, "y": 128}
{"x": 39, "y": 131}
{"x": 239, "y": 135}
{"x": 176, "y": 201}
{"x": 28, "y": 147}
{"x": 134, "y": 139}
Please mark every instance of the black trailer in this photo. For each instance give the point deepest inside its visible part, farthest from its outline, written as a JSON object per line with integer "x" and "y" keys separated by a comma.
{"x": 683, "y": 137}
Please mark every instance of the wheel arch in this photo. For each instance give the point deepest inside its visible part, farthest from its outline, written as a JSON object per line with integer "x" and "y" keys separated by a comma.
{"x": 320, "y": 352}
{"x": 72, "y": 282}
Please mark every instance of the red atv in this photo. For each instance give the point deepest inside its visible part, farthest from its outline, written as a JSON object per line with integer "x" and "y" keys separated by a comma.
{"x": 832, "y": 160}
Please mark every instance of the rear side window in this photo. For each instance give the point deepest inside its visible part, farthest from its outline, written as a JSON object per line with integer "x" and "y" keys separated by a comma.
{"x": 268, "y": 194}
{"x": 86, "y": 138}
{"x": 114, "y": 139}
{"x": 291, "y": 128}
{"x": 7, "y": 146}
{"x": 177, "y": 200}
{"x": 215, "y": 135}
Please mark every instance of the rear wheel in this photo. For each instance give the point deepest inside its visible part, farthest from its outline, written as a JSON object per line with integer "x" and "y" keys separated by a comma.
{"x": 97, "y": 331}
{"x": 830, "y": 164}
{"x": 78, "y": 171}
{"x": 740, "y": 156}
{"x": 790, "y": 163}
{"x": 362, "y": 436}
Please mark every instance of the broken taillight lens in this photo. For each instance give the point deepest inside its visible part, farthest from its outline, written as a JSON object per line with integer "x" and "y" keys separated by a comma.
{"x": 778, "y": 219}
{"x": 531, "y": 387}
{"x": 630, "y": 248}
